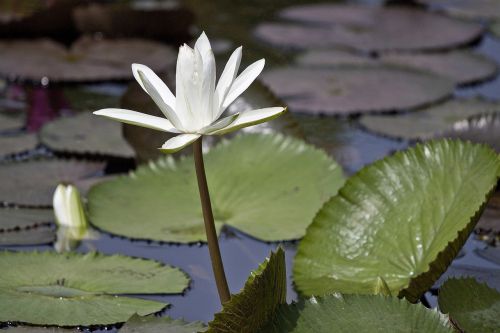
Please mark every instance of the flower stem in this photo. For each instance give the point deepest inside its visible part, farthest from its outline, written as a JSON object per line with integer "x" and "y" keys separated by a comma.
{"x": 208, "y": 217}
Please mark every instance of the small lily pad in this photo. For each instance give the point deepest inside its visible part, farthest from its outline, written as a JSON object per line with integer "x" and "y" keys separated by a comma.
{"x": 356, "y": 313}
{"x": 22, "y": 218}
{"x": 33, "y": 182}
{"x": 86, "y": 134}
{"x": 402, "y": 219}
{"x": 268, "y": 186}
{"x": 38, "y": 235}
{"x": 87, "y": 60}
{"x": 152, "y": 324}
{"x": 428, "y": 122}
{"x": 356, "y": 89}
{"x": 472, "y": 306}
{"x": 45, "y": 288}
{"x": 367, "y": 28}
{"x": 12, "y": 144}
{"x": 253, "y": 307}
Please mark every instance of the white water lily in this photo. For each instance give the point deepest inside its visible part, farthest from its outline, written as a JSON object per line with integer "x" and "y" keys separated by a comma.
{"x": 199, "y": 103}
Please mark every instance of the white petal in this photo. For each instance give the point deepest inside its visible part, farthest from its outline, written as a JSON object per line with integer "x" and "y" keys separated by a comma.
{"x": 158, "y": 91}
{"x": 185, "y": 88}
{"x": 227, "y": 77}
{"x": 139, "y": 119}
{"x": 252, "y": 117}
{"x": 224, "y": 122}
{"x": 178, "y": 142}
{"x": 243, "y": 81}
{"x": 208, "y": 104}
{"x": 203, "y": 44}
{"x": 61, "y": 213}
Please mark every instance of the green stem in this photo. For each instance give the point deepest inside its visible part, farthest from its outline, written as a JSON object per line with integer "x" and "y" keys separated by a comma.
{"x": 208, "y": 217}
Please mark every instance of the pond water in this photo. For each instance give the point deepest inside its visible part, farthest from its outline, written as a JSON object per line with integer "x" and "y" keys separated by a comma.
{"x": 342, "y": 138}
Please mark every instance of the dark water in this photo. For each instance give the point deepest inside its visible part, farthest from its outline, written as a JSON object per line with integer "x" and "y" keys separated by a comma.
{"x": 342, "y": 138}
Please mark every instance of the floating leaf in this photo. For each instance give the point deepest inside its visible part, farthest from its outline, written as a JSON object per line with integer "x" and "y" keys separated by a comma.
{"x": 33, "y": 236}
{"x": 86, "y": 134}
{"x": 33, "y": 182}
{"x": 403, "y": 219}
{"x": 462, "y": 67}
{"x": 431, "y": 121}
{"x": 356, "y": 313}
{"x": 87, "y": 60}
{"x": 13, "y": 144}
{"x": 45, "y": 288}
{"x": 261, "y": 296}
{"x": 268, "y": 186}
{"x": 356, "y": 89}
{"x": 480, "y": 129}
{"x": 22, "y": 218}
{"x": 152, "y": 324}
{"x": 491, "y": 276}
{"x": 468, "y": 9}
{"x": 472, "y": 306}
{"x": 34, "y": 329}
{"x": 367, "y": 28}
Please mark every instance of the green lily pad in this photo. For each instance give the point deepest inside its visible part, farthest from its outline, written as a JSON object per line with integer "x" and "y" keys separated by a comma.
{"x": 45, "y": 288}
{"x": 86, "y": 134}
{"x": 33, "y": 182}
{"x": 268, "y": 186}
{"x": 356, "y": 313}
{"x": 490, "y": 276}
{"x": 462, "y": 67}
{"x": 367, "y": 29}
{"x": 35, "y": 329}
{"x": 22, "y": 218}
{"x": 402, "y": 219}
{"x": 472, "y": 306}
{"x": 252, "y": 308}
{"x": 428, "y": 122}
{"x": 152, "y": 324}
{"x": 467, "y": 9}
{"x": 356, "y": 89}
{"x": 33, "y": 236}
{"x": 13, "y": 144}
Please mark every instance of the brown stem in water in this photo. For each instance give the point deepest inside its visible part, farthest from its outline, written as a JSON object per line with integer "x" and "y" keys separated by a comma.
{"x": 208, "y": 217}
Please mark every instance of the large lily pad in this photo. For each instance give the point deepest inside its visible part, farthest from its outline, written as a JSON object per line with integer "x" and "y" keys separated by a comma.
{"x": 469, "y": 9}
{"x": 356, "y": 313}
{"x": 402, "y": 220}
{"x": 35, "y": 329}
{"x": 87, "y": 60}
{"x": 152, "y": 324}
{"x": 33, "y": 182}
{"x": 12, "y": 144}
{"x": 38, "y": 235}
{"x": 472, "y": 306}
{"x": 22, "y": 218}
{"x": 431, "y": 121}
{"x": 73, "y": 289}
{"x": 367, "y": 28}
{"x": 86, "y": 133}
{"x": 268, "y": 186}
{"x": 356, "y": 89}
{"x": 253, "y": 307}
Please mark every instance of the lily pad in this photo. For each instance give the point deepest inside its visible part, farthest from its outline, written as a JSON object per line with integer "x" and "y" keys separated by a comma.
{"x": 490, "y": 276}
{"x": 9, "y": 123}
{"x": 73, "y": 289}
{"x": 268, "y": 186}
{"x": 356, "y": 89}
{"x": 13, "y": 144}
{"x": 152, "y": 324}
{"x": 356, "y": 313}
{"x": 253, "y": 307}
{"x": 428, "y": 122}
{"x": 333, "y": 57}
{"x": 84, "y": 99}
{"x": 468, "y": 9}
{"x": 86, "y": 134}
{"x": 22, "y": 218}
{"x": 33, "y": 182}
{"x": 38, "y": 235}
{"x": 35, "y": 329}
{"x": 87, "y": 60}
{"x": 472, "y": 306}
{"x": 480, "y": 129}
{"x": 367, "y": 29}
{"x": 402, "y": 220}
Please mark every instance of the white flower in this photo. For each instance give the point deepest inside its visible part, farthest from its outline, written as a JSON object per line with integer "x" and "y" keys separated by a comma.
{"x": 199, "y": 103}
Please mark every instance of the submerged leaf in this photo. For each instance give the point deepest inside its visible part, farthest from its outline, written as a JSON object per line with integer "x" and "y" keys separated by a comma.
{"x": 152, "y": 324}
{"x": 472, "y": 306}
{"x": 261, "y": 296}
{"x": 403, "y": 219}
{"x": 354, "y": 89}
{"x": 356, "y": 313}
{"x": 73, "y": 289}
{"x": 268, "y": 186}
